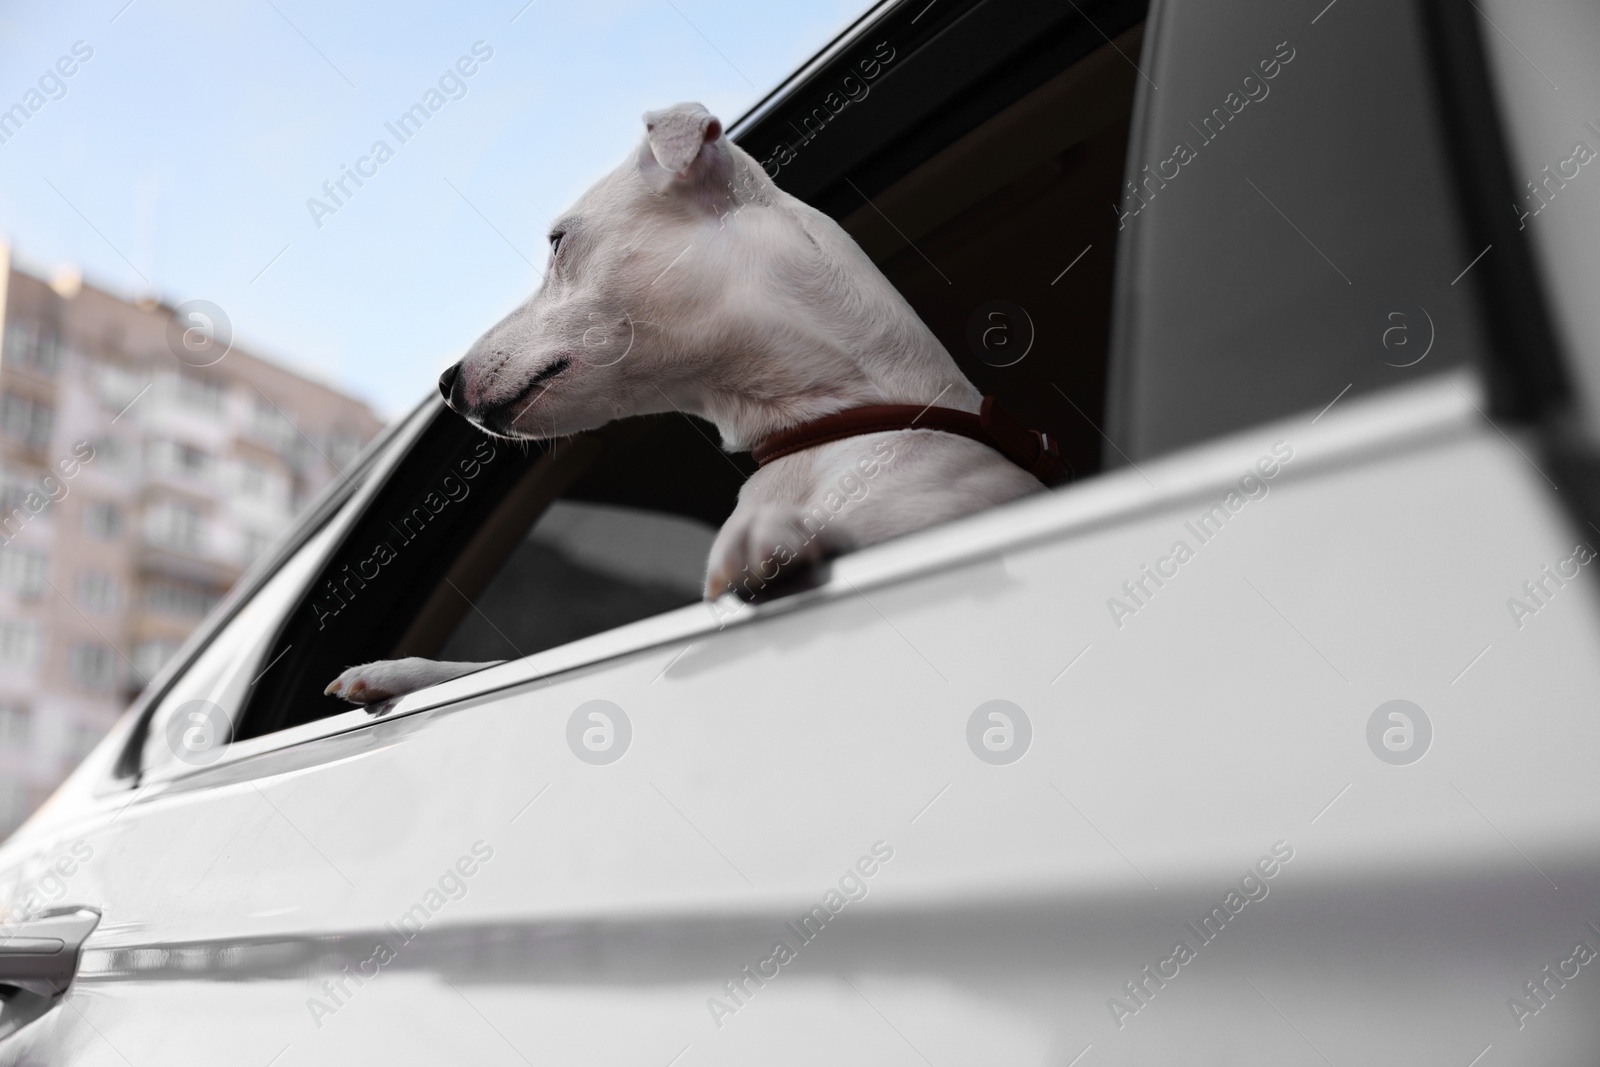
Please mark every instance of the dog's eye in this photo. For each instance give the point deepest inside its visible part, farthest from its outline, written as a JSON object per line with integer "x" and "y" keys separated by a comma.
{"x": 555, "y": 243}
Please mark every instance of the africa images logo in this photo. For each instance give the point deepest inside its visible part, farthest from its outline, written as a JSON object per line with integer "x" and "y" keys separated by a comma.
{"x": 1141, "y": 589}
{"x": 599, "y": 732}
{"x": 451, "y": 490}
{"x": 1399, "y": 732}
{"x": 999, "y": 732}
{"x": 1252, "y": 888}
{"x": 1255, "y": 89}
{"x": 52, "y": 85}
{"x": 453, "y": 884}
{"x": 452, "y": 85}
{"x": 851, "y": 90}
{"x": 850, "y": 887}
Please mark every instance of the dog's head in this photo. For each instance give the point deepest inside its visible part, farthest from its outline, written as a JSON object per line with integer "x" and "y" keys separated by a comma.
{"x": 655, "y": 276}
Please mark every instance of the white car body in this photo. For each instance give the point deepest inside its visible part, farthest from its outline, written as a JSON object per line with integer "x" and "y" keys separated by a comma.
{"x": 1207, "y": 747}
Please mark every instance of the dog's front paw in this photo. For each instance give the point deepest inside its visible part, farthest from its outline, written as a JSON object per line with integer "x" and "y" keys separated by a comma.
{"x": 763, "y": 546}
{"x": 385, "y": 679}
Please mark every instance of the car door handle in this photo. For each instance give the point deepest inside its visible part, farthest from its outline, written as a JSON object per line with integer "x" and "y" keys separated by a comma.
{"x": 41, "y": 954}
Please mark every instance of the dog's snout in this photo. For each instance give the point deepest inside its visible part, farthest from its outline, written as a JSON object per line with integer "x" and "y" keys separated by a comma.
{"x": 450, "y": 387}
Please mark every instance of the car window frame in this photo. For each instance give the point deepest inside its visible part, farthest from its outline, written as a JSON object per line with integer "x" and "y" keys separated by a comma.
{"x": 949, "y": 545}
{"x": 349, "y": 505}
{"x": 384, "y": 460}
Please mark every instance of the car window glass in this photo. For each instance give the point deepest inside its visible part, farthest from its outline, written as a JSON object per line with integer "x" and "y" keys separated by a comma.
{"x": 307, "y": 531}
{"x": 582, "y": 569}
{"x": 480, "y": 549}
{"x": 194, "y": 720}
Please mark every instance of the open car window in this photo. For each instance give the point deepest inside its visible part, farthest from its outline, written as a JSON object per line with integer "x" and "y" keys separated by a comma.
{"x": 583, "y": 568}
{"x": 480, "y": 549}
{"x": 485, "y": 549}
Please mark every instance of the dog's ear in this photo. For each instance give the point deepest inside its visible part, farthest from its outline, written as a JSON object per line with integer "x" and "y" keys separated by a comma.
{"x": 684, "y": 141}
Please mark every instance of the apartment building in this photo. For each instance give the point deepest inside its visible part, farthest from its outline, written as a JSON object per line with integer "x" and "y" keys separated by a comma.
{"x": 135, "y": 487}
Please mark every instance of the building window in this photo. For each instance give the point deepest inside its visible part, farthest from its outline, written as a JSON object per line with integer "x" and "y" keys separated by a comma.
{"x": 14, "y": 490}
{"x": 255, "y": 543}
{"x": 184, "y": 601}
{"x": 118, "y": 387}
{"x": 203, "y": 394}
{"x": 93, "y": 666}
{"x": 150, "y": 657}
{"x": 176, "y": 526}
{"x": 343, "y": 447}
{"x": 111, "y": 454}
{"x": 26, "y": 420}
{"x": 270, "y": 424}
{"x": 97, "y": 592}
{"x": 19, "y": 644}
{"x": 14, "y": 804}
{"x": 177, "y": 458}
{"x": 102, "y": 520}
{"x": 84, "y": 737}
{"x": 22, "y": 571}
{"x": 38, "y": 350}
{"x": 16, "y": 728}
{"x": 254, "y": 480}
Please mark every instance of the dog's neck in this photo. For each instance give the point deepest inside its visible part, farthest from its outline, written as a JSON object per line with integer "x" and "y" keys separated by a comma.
{"x": 772, "y": 397}
{"x": 846, "y": 339}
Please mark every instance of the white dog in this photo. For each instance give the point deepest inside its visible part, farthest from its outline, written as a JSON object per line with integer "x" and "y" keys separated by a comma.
{"x": 685, "y": 279}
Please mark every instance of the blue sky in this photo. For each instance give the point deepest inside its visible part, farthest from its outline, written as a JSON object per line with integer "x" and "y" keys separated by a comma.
{"x": 180, "y": 157}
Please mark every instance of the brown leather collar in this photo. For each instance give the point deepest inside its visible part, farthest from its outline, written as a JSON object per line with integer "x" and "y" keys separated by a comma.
{"x": 993, "y": 425}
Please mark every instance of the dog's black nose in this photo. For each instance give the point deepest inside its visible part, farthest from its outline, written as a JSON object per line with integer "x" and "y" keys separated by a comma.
{"x": 447, "y": 382}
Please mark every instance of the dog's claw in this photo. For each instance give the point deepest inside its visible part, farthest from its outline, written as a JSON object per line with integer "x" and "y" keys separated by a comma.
{"x": 386, "y": 679}
{"x": 765, "y": 546}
